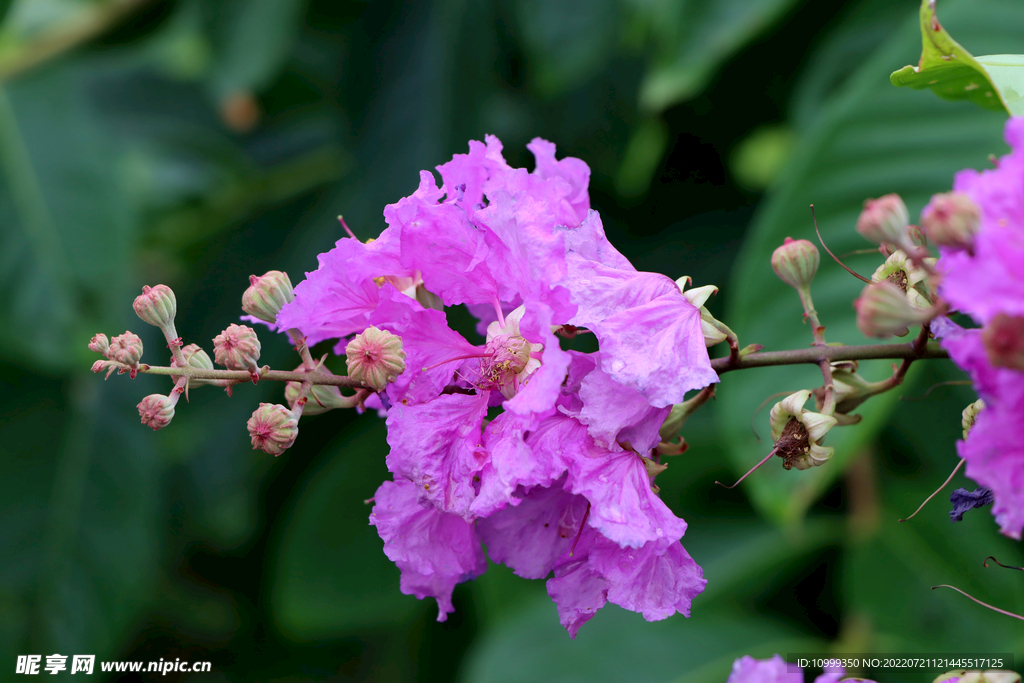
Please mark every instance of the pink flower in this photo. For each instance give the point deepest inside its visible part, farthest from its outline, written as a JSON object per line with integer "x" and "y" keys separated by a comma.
{"x": 986, "y": 281}
{"x": 570, "y": 447}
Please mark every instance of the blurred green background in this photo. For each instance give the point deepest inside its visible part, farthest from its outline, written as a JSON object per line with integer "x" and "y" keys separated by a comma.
{"x": 195, "y": 142}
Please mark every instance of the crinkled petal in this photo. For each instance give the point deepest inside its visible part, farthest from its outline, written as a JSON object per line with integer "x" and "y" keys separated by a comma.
{"x": 465, "y": 175}
{"x": 434, "y": 550}
{"x": 437, "y": 446}
{"x": 602, "y": 291}
{"x": 989, "y": 279}
{"x": 577, "y": 590}
{"x": 337, "y": 298}
{"x": 654, "y": 580}
{"x": 526, "y": 253}
{"x": 658, "y": 349}
{"x": 590, "y": 243}
{"x": 617, "y": 414}
{"x": 438, "y": 241}
{"x": 573, "y": 171}
{"x": 531, "y": 536}
{"x": 624, "y": 507}
{"x": 964, "y": 500}
{"x": 513, "y": 462}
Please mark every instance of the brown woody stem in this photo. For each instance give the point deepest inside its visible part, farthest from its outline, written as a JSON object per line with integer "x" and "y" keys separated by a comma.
{"x": 816, "y": 354}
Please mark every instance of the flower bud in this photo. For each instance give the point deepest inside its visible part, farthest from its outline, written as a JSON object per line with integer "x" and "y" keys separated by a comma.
{"x": 196, "y": 357}
{"x": 99, "y": 344}
{"x": 1003, "y": 338}
{"x": 884, "y": 220}
{"x": 156, "y": 305}
{"x": 375, "y": 358}
{"x": 127, "y": 349}
{"x": 273, "y": 428}
{"x": 237, "y": 348}
{"x": 970, "y": 414}
{"x": 951, "y": 220}
{"x": 883, "y": 311}
{"x": 321, "y": 397}
{"x": 156, "y": 411}
{"x": 267, "y": 294}
{"x": 796, "y": 262}
{"x": 797, "y": 433}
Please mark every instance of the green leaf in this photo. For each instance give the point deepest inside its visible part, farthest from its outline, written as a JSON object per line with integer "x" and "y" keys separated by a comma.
{"x": 567, "y": 41}
{"x": 255, "y": 42}
{"x": 992, "y": 82}
{"x": 693, "y": 39}
{"x": 79, "y": 526}
{"x": 332, "y": 575}
{"x": 69, "y": 227}
{"x": 868, "y": 141}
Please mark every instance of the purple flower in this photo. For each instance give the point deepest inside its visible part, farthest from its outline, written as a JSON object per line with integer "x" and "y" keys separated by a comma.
{"x": 776, "y": 670}
{"x": 986, "y": 282}
{"x": 542, "y": 454}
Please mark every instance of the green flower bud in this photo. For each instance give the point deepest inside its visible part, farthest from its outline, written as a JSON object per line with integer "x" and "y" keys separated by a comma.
{"x": 127, "y": 349}
{"x": 796, "y": 262}
{"x": 156, "y": 306}
{"x": 156, "y": 411}
{"x": 267, "y": 294}
{"x": 272, "y": 428}
{"x": 237, "y": 348}
{"x": 321, "y": 397}
{"x": 884, "y": 220}
{"x": 99, "y": 344}
{"x": 375, "y": 358}
{"x": 883, "y": 311}
{"x": 951, "y": 220}
{"x": 970, "y": 414}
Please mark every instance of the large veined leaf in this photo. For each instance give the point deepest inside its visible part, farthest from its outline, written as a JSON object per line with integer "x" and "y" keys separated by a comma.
{"x": 693, "y": 39}
{"x": 68, "y": 234}
{"x": 952, "y": 73}
{"x": 78, "y": 524}
{"x": 871, "y": 140}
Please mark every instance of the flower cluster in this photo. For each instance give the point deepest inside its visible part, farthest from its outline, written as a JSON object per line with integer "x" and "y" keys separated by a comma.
{"x": 982, "y": 269}
{"x": 546, "y": 456}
